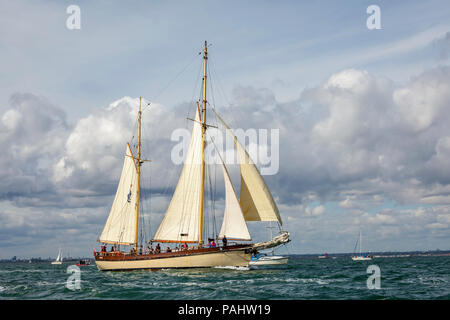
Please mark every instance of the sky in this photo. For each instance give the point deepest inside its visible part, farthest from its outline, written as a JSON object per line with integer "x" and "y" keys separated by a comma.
{"x": 362, "y": 114}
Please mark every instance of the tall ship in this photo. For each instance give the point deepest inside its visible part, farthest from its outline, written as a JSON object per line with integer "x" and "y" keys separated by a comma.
{"x": 183, "y": 224}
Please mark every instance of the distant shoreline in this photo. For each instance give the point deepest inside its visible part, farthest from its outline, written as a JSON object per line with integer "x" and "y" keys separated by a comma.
{"x": 386, "y": 254}
{"x": 379, "y": 254}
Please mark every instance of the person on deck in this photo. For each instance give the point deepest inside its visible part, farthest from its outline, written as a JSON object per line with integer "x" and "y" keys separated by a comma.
{"x": 224, "y": 241}
{"x": 158, "y": 248}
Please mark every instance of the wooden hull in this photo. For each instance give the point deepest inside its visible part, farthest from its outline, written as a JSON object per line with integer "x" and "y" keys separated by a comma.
{"x": 199, "y": 259}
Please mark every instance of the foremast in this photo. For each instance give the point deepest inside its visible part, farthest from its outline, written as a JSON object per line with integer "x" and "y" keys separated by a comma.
{"x": 202, "y": 194}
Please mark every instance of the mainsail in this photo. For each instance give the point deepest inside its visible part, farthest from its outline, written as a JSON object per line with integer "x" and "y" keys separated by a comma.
{"x": 182, "y": 218}
{"x": 120, "y": 227}
{"x": 233, "y": 226}
{"x": 256, "y": 201}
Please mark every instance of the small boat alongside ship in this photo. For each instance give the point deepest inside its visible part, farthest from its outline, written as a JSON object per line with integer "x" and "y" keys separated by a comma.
{"x": 267, "y": 260}
{"x": 183, "y": 223}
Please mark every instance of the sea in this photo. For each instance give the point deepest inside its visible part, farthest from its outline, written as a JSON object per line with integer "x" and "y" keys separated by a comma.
{"x": 384, "y": 278}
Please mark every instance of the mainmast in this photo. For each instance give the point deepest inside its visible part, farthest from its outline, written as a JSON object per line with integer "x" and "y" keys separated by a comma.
{"x": 139, "y": 162}
{"x": 200, "y": 231}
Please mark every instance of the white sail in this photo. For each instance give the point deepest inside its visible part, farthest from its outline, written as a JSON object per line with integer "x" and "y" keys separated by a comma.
{"x": 59, "y": 257}
{"x": 256, "y": 201}
{"x": 182, "y": 218}
{"x": 120, "y": 228}
{"x": 233, "y": 225}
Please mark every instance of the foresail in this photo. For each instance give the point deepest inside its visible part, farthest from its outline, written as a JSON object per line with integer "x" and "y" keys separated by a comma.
{"x": 233, "y": 225}
{"x": 182, "y": 218}
{"x": 256, "y": 201}
{"x": 120, "y": 228}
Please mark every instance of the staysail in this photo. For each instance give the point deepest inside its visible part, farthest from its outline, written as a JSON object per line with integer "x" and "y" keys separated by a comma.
{"x": 256, "y": 201}
{"x": 182, "y": 218}
{"x": 120, "y": 227}
{"x": 234, "y": 226}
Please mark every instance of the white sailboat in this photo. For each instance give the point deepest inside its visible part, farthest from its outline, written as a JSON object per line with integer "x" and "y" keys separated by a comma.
{"x": 361, "y": 257}
{"x": 58, "y": 258}
{"x": 183, "y": 222}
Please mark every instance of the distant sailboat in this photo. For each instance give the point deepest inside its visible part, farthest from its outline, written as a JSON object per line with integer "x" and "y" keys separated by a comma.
{"x": 361, "y": 257}
{"x": 58, "y": 258}
{"x": 324, "y": 256}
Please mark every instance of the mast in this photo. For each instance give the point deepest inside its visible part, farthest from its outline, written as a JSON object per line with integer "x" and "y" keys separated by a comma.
{"x": 138, "y": 167}
{"x": 200, "y": 231}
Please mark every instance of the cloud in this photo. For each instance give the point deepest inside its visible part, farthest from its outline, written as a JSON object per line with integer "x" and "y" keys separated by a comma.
{"x": 360, "y": 141}
{"x": 353, "y": 143}
{"x": 411, "y": 43}
{"x": 443, "y": 45}
{"x": 375, "y": 136}
{"x": 32, "y": 133}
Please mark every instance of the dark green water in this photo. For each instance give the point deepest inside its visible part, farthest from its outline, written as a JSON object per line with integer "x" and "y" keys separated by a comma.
{"x": 341, "y": 278}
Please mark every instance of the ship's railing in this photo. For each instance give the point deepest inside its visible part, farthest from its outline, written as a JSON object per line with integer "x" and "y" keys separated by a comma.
{"x": 230, "y": 245}
{"x": 108, "y": 253}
